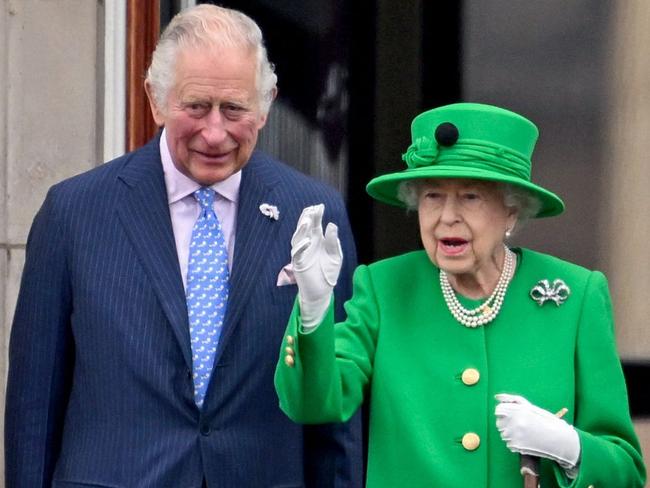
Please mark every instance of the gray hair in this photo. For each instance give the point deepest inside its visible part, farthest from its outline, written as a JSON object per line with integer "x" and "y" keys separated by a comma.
{"x": 525, "y": 203}
{"x": 210, "y": 26}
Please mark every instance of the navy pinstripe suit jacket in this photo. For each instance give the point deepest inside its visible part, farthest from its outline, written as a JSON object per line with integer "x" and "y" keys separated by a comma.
{"x": 100, "y": 391}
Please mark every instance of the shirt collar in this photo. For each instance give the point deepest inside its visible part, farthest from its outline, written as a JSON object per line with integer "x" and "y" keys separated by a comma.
{"x": 179, "y": 185}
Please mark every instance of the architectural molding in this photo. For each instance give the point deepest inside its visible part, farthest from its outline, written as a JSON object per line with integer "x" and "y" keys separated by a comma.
{"x": 142, "y": 31}
{"x": 114, "y": 79}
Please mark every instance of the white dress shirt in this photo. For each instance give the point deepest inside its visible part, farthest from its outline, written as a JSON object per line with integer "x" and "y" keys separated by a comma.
{"x": 184, "y": 209}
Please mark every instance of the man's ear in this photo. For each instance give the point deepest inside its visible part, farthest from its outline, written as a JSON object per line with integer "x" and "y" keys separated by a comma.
{"x": 262, "y": 120}
{"x": 156, "y": 111}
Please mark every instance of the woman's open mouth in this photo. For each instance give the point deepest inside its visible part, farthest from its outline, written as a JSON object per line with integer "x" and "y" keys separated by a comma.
{"x": 452, "y": 245}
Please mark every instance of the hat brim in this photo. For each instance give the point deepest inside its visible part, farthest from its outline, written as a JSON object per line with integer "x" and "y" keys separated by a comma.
{"x": 384, "y": 188}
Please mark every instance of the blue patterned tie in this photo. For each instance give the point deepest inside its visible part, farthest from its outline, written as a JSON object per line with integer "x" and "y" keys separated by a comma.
{"x": 207, "y": 290}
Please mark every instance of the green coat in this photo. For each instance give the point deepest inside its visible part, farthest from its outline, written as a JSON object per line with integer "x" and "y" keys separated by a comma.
{"x": 401, "y": 349}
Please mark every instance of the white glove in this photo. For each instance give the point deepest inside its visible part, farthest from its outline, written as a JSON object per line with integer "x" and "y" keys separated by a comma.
{"x": 528, "y": 429}
{"x": 316, "y": 260}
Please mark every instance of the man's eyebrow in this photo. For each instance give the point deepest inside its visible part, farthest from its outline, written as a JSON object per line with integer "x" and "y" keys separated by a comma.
{"x": 195, "y": 98}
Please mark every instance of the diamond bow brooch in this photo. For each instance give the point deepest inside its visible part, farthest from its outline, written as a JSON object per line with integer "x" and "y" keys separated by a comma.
{"x": 557, "y": 292}
{"x": 271, "y": 211}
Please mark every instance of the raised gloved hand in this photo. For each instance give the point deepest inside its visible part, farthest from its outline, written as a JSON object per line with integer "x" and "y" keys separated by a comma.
{"x": 528, "y": 429}
{"x": 316, "y": 260}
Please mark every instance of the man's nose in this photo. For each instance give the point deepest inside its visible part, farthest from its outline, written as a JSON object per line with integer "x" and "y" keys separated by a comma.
{"x": 214, "y": 130}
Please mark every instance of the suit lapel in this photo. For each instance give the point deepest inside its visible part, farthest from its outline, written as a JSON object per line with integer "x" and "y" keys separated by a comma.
{"x": 255, "y": 232}
{"x": 144, "y": 212}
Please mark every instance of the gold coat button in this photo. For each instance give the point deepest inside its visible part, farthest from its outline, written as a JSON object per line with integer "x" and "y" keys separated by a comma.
{"x": 470, "y": 376}
{"x": 290, "y": 340}
{"x": 471, "y": 441}
{"x": 289, "y": 351}
{"x": 289, "y": 361}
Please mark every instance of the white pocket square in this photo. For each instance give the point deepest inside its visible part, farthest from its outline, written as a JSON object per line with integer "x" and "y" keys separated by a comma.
{"x": 286, "y": 276}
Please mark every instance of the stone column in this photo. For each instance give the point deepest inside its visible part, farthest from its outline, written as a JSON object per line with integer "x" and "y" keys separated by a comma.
{"x": 50, "y": 88}
{"x": 626, "y": 185}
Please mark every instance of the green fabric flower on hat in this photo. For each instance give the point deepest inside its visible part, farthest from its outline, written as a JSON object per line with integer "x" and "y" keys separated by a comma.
{"x": 423, "y": 152}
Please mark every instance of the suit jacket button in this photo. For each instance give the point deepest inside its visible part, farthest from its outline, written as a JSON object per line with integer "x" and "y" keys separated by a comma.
{"x": 470, "y": 376}
{"x": 289, "y": 361}
{"x": 471, "y": 441}
{"x": 290, "y": 340}
{"x": 205, "y": 429}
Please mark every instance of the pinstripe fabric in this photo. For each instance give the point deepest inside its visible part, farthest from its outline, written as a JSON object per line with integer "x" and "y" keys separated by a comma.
{"x": 100, "y": 390}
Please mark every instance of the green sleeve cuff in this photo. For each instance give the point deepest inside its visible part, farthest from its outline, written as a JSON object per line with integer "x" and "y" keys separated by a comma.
{"x": 624, "y": 467}
{"x": 305, "y": 376}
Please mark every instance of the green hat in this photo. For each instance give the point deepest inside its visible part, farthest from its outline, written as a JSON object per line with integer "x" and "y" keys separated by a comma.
{"x": 473, "y": 141}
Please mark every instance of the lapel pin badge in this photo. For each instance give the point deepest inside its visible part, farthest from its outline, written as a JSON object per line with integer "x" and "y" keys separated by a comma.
{"x": 270, "y": 211}
{"x": 557, "y": 292}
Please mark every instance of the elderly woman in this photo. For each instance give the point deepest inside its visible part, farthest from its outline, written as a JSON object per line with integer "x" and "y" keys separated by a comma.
{"x": 464, "y": 350}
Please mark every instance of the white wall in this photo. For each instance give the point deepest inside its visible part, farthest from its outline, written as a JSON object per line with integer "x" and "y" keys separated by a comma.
{"x": 49, "y": 99}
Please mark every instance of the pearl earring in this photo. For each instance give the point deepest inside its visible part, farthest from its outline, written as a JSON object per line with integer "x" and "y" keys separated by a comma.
{"x": 508, "y": 233}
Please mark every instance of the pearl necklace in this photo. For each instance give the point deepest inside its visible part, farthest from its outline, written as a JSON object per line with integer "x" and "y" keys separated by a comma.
{"x": 489, "y": 309}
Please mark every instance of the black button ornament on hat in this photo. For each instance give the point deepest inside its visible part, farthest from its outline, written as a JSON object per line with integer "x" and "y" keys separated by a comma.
{"x": 446, "y": 134}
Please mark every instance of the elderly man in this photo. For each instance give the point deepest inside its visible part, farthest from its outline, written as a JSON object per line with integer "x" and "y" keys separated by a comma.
{"x": 155, "y": 294}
